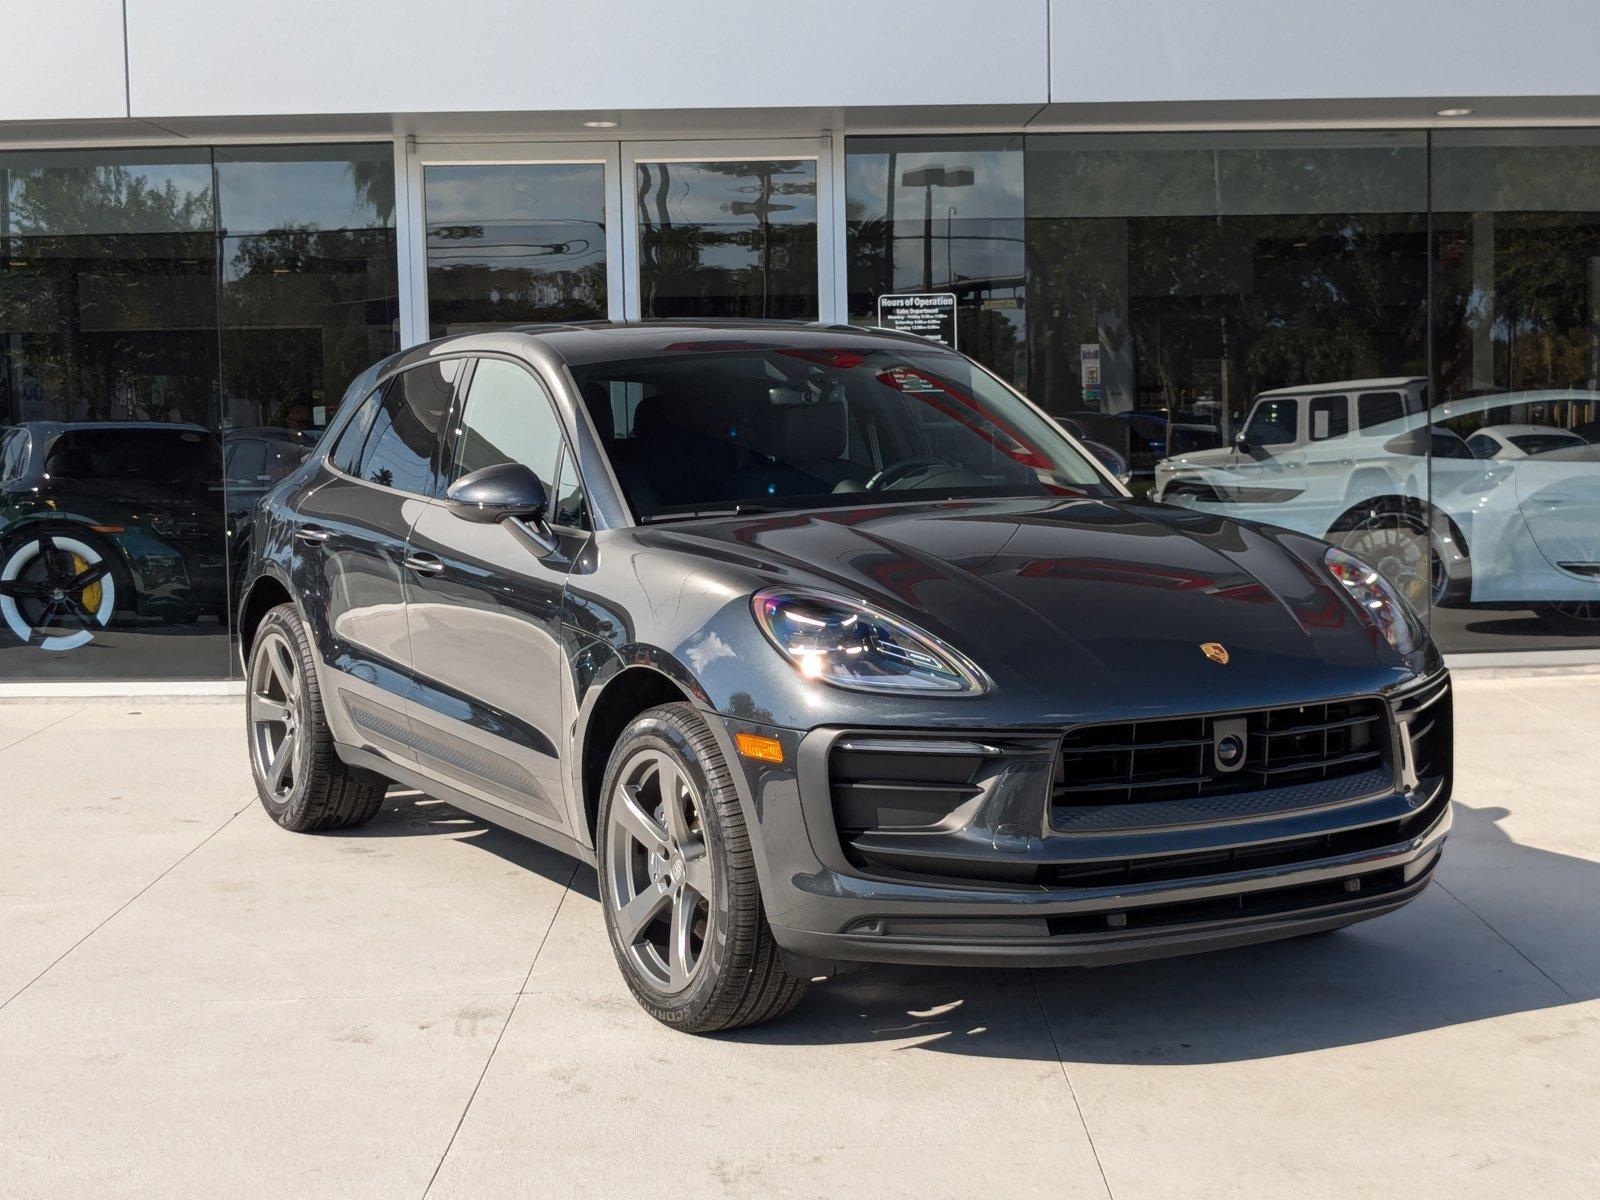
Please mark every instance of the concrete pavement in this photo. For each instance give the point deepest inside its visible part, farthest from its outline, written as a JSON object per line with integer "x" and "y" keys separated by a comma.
{"x": 194, "y": 1002}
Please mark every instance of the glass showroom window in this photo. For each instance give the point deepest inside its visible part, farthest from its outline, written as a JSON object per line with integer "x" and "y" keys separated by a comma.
{"x": 1517, "y": 363}
{"x": 942, "y": 215}
{"x": 112, "y": 557}
{"x": 162, "y": 314}
{"x": 510, "y": 243}
{"x": 728, "y": 239}
{"x": 309, "y": 300}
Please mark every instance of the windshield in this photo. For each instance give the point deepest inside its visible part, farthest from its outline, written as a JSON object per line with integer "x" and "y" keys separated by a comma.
{"x": 1543, "y": 443}
{"x": 791, "y": 427}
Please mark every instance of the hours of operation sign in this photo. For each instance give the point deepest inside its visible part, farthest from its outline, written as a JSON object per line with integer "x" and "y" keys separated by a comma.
{"x": 927, "y": 314}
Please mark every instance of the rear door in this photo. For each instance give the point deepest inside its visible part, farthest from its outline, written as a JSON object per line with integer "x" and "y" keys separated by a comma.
{"x": 351, "y": 551}
{"x": 493, "y": 699}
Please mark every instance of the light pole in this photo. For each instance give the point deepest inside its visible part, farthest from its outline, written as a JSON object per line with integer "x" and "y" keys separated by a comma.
{"x": 928, "y": 178}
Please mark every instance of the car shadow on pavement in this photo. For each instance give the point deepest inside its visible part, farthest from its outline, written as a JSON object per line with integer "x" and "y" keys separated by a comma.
{"x": 1434, "y": 964}
{"x": 409, "y": 813}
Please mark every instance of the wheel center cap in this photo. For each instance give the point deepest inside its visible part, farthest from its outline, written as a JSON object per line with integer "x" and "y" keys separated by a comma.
{"x": 675, "y": 868}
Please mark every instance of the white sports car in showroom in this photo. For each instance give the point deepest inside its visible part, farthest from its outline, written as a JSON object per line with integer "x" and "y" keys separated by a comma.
{"x": 1351, "y": 462}
{"x": 1522, "y": 441}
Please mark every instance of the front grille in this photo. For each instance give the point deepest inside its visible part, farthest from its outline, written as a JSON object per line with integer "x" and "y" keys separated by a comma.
{"x": 1172, "y": 759}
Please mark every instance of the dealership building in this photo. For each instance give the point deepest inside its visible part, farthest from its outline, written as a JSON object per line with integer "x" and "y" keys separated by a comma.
{"x": 1334, "y": 267}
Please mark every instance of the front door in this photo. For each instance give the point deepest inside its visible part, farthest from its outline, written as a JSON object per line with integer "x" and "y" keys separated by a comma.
{"x": 516, "y": 232}
{"x": 492, "y": 680}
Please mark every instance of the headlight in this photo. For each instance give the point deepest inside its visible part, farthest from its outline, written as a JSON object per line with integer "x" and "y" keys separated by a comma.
{"x": 1378, "y": 600}
{"x": 849, "y": 645}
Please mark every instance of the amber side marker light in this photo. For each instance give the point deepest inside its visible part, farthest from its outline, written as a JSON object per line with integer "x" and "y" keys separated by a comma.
{"x": 763, "y": 749}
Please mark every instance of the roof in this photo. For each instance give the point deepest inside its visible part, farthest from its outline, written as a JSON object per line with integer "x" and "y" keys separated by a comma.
{"x": 1518, "y": 430}
{"x": 603, "y": 341}
{"x": 52, "y": 427}
{"x": 1391, "y": 382}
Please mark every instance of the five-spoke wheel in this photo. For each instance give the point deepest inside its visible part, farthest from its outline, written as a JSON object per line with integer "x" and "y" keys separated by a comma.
{"x": 275, "y": 713}
{"x": 658, "y": 870}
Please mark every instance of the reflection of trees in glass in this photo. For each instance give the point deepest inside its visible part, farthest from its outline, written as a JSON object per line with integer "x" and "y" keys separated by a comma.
{"x": 761, "y": 261}
{"x": 507, "y": 273}
{"x": 106, "y": 295}
{"x": 303, "y": 312}
{"x": 1238, "y": 279}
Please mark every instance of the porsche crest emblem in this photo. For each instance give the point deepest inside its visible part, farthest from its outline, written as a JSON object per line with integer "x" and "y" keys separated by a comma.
{"x": 1216, "y": 652}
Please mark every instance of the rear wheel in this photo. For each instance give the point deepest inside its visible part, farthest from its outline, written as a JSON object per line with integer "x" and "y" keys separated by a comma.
{"x": 303, "y": 784}
{"x": 678, "y": 883}
{"x": 1574, "y": 618}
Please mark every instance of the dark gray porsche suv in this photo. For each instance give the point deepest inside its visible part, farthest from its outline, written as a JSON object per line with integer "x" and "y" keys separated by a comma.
{"x": 825, "y": 647}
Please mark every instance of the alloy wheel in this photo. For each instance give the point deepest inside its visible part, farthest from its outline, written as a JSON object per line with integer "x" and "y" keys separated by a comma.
{"x": 658, "y": 871}
{"x": 275, "y": 713}
{"x": 56, "y": 592}
{"x": 1402, "y": 553}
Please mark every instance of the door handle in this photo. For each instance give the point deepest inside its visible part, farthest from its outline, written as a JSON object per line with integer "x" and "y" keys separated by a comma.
{"x": 424, "y": 564}
{"x": 313, "y": 535}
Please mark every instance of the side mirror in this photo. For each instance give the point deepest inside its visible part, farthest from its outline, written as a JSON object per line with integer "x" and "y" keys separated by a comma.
{"x": 1241, "y": 442}
{"x": 497, "y": 494}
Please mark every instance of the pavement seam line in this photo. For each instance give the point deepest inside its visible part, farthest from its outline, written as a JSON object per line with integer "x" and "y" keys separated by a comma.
{"x": 499, "y": 1037}
{"x": 1517, "y": 950}
{"x": 124, "y": 905}
{"x": 1049, "y": 1028}
{"x": 44, "y": 729}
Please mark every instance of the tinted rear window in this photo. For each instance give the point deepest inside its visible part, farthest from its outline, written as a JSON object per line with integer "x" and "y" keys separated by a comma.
{"x": 180, "y": 458}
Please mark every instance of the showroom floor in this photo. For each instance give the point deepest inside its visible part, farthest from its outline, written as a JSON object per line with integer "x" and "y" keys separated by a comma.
{"x": 196, "y": 1003}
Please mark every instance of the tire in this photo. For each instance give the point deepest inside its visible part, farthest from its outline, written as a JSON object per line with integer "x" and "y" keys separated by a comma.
{"x": 302, "y": 782}
{"x": 1576, "y": 618}
{"x": 91, "y": 610}
{"x": 701, "y": 878}
{"x": 1395, "y": 535}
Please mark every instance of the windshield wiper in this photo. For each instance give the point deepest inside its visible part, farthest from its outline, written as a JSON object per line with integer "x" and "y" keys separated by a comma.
{"x": 731, "y": 510}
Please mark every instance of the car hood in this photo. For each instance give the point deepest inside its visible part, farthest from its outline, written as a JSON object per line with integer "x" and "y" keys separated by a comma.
{"x": 1105, "y": 601}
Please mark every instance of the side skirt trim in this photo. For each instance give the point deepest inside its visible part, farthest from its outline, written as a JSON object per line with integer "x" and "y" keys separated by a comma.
{"x": 484, "y": 810}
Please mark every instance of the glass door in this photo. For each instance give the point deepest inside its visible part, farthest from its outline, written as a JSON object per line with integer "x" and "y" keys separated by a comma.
{"x": 728, "y": 229}
{"x": 514, "y": 233}
{"x": 501, "y": 233}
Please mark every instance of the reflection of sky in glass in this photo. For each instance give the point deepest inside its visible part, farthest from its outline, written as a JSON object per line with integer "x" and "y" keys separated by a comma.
{"x": 335, "y": 187}
{"x": 80, "y": 192}
{"x": 502, "y": 192}
{"x": 977, "y": 229}
{"x": 725, "y": 199}
{"x": 528, "y": 216}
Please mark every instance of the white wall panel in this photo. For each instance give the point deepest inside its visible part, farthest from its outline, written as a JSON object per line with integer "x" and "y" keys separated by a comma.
{"x": 225, "y": 57}
{"x": 61, "y": 60}
{"x": 1142, "y": 50}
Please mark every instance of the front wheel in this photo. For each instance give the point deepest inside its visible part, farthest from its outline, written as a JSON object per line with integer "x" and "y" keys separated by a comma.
{"x": 678, "y": 883}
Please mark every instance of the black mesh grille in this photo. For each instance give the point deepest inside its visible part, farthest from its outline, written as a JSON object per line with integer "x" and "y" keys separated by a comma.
{"x": 1144, "y": 762}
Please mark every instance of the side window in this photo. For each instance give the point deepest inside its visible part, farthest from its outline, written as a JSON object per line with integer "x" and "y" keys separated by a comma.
{"x": 13, "y": 453}
{"x": 1330, "y": 417}
{"x": 1482, "y": 445}
{"x": 346, "y": 453}
{"x": 508, "y": 418}
{"x": 247, "y": 460}
{"x": 1379, "y": 408}
{"x": 1274, "y": 422}
{"x": 406, "y": 428}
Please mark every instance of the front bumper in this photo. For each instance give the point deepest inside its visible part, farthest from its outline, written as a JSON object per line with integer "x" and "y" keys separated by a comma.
{"x": 827, "y": 908}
